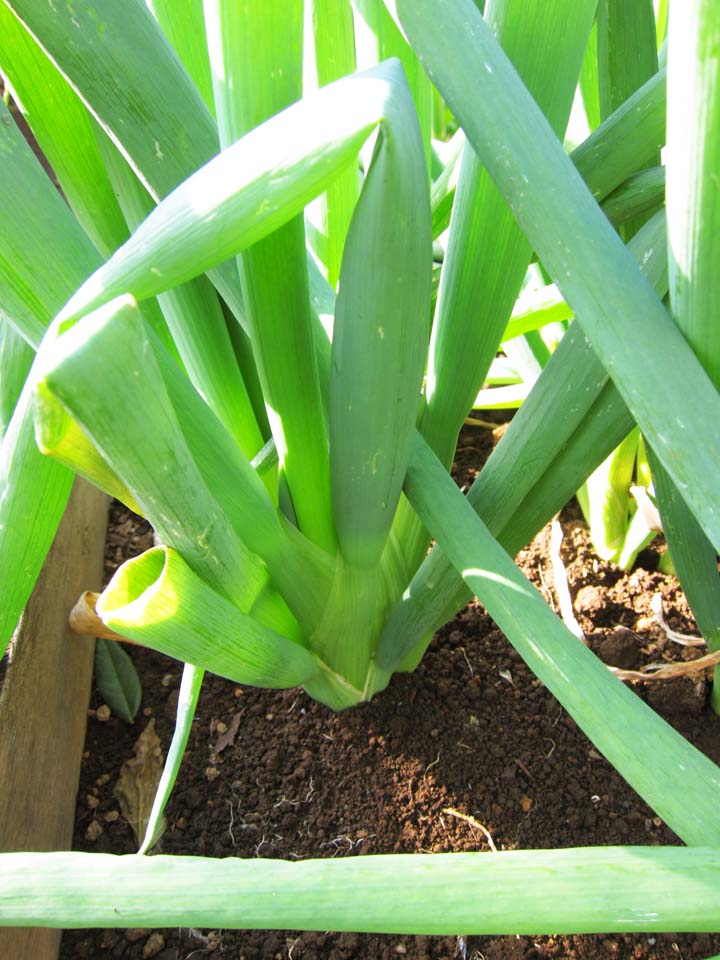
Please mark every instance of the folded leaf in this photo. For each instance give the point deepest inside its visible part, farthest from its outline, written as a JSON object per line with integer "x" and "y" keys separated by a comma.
{"x": 380, "y": 337}
{"x": 156, "y": 599}
{"x": 246, "y": 192}
{"x": 147, "y": 446}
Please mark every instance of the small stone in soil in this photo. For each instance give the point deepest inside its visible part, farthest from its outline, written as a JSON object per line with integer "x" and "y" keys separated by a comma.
{"x": 588, "y": 598}
{"x": 94, "y": 830}
{"x": 154, "y": 945}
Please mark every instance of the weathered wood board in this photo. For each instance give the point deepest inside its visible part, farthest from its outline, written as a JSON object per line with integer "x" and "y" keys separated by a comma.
{"x": 43, "y": 705}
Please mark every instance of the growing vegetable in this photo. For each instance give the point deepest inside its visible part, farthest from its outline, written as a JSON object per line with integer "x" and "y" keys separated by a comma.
{"x": 292, "y": 394}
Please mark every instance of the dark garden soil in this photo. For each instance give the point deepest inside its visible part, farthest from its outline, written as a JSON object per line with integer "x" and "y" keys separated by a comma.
{"x": 470, "y": 737}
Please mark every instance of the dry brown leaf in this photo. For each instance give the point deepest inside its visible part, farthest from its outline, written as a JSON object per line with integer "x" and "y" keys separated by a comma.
{"x": 227, "y": 738}
{"x": 138, "y": 781}
{"x": 668, "y": 671}
{"x": 85, "y": 620}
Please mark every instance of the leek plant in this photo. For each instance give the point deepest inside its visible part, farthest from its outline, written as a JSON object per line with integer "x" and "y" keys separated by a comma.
{"x": 616, "y": 497}
{"x": 237, "y": 332}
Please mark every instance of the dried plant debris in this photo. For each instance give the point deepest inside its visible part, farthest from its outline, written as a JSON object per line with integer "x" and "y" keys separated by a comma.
{"x": 138, "y": 781}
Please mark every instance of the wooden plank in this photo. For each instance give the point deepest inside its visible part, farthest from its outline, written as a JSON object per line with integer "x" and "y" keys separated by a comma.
{"x": 43, "y": 705}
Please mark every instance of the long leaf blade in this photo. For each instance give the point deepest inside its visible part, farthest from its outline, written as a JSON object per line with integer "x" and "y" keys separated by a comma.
{"x": 627, "y": 140}
{"x": 334, "y": 43}
{"x": 190, "y": 687}
{"x": 16, "y": 357}
{"x": 693, "y": 206}
{"x": 537, "y": 891}
{"x": 119, "y": 43}
{"x": 627, "y": 50}
{"x": 547, "y": 452}
{"x": 64, "y": 132}
{"x": 487, "y": 254}
{"x": 149, "y": 447}
{"x": 256, "y": 55}
{"x": 44, "y": 255}
{"x": 380, "y": 336}
{"x": 197, "y": 324}
{"x": 569, "y": 233}
{"x": 693, "y": 191}
{"x": 245, "y": 193}
{"x": 183, "y": 24}
{"x": 36, "y": 227}
{"x": 566, "y": 666}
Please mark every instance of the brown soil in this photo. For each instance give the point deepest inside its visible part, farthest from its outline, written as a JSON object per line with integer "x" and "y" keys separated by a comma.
{"x": 470, "y": 732}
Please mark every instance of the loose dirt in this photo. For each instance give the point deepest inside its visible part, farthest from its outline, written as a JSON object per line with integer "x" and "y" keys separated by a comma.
{"x": 471, "y": 737}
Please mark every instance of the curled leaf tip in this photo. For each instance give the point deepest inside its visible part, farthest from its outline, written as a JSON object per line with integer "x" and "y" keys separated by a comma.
{"x": 85, "y": 621}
